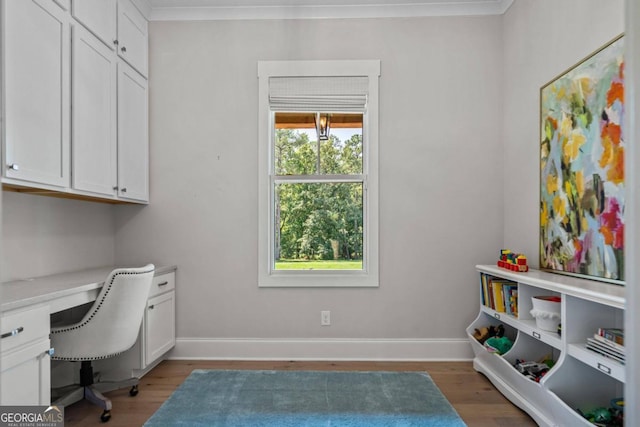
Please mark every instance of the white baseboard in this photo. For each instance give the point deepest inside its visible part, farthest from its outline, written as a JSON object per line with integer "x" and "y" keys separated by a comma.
{"x": 322, "y": 349}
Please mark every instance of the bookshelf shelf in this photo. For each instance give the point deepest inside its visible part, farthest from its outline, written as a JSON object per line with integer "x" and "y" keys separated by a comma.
{"x": 608, "y": 366}
{"x": 503, "y": 317}
{"x": 526, "y": 326}
{"x": 580, "y": 378}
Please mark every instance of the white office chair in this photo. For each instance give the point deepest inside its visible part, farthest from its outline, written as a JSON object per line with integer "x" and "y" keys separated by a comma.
{"x": 109, "y": 328}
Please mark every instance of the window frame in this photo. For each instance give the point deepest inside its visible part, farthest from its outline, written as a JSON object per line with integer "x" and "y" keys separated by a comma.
{"x": 268, "y": 276}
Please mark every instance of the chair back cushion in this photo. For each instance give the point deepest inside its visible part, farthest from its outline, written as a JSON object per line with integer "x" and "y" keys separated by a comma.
{"x": 111, "y": 325}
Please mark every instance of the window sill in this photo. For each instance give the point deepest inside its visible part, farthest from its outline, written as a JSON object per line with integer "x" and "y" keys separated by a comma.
{"x": 329, "y": 279}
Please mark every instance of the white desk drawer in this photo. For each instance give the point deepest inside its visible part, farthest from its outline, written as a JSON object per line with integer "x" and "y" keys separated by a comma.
{"x": 162, "y": 283}
{"x": 23, "y": 326}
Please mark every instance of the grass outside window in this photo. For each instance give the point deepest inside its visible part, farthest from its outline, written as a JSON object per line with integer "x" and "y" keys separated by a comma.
{"x": 296, "y": 264}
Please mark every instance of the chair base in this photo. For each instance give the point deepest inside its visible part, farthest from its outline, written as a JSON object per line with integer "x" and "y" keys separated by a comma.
{"x": 65, "y": 396}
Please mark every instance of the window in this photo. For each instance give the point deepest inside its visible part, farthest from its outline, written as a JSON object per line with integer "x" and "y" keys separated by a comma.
{"x": 318, "y": 182}
{"x": 318, "y": 185}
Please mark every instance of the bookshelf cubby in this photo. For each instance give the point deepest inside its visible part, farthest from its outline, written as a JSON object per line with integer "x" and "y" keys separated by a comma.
{"x": 580, "y": 378}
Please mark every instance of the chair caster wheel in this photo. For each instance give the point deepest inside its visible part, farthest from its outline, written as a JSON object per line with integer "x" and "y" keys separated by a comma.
{"x": 106, "y": 416}
{"x": 133, "y": 391}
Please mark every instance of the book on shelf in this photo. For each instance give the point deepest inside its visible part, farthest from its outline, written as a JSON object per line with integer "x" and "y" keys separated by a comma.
{"x": 485, "y": 293}
{"x": 609, "y": 343}
{"x": 500, "y": 294}
{"x": 511, "y": 299}
{"x": 602, "y": 349}
{"x": 612, "y": 334}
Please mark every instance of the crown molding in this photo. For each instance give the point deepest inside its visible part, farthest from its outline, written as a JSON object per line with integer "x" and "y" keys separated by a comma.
{"x": 208, "y": 10}
{"x": 144, "y": 7}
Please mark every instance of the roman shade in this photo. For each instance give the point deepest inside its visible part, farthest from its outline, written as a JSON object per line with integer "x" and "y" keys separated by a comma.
{"x": 339, "y": 93}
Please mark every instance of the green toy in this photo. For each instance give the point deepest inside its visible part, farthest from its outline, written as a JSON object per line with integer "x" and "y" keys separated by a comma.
{"x": 499, "y": 345}
{"x": 599, "y": 415}
{"x": 603, "y": 416}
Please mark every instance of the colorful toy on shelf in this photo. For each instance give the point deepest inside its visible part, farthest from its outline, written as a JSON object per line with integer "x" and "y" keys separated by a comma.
{"x": 532, "y": 370}
{"x": 486, "y": 332}
{"x": 513, "y": 261}
{"x": 608, "y": 417}
{"x": 498, "y": 345}
{"x": 618, "y": 403}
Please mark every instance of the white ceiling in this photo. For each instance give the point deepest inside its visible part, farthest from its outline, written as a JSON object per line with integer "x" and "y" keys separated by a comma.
{"x": 164, "y": 10}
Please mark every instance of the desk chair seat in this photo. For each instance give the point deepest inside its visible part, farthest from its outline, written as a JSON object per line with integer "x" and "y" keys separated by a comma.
{"x": 109, "y": 328}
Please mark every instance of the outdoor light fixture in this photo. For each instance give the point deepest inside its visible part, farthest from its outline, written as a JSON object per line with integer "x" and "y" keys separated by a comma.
{"x": 323, "y": 123}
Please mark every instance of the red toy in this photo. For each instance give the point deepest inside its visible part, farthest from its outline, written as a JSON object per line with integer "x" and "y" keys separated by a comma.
{"x": 513, "y": 261}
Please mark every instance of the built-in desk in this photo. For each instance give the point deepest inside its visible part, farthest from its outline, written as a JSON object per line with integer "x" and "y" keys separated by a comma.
{"x": 59, "y": 291}
{"x": 26, "y": 308}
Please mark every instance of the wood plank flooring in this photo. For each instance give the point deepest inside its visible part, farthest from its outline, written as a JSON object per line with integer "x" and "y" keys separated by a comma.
{"x": 471, "y": 394}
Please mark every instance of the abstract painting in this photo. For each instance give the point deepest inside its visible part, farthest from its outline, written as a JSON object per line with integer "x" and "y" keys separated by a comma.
{"x": 582, "y": 168}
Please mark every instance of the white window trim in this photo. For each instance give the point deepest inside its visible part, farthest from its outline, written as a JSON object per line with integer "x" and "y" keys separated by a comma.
{"x": 369, "y": 275}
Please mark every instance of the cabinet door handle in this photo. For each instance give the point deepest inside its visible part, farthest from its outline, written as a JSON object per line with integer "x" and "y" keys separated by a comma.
{"x": 14, "y": 167}
{"x": 151, "y": 306}
{"x": 124, "y": 190}
{"x": 604, "y": 368}
{"x": 123, "y": 49}
{"x": 50, "y": 352}
{"x": 12, "y": 333}
{"x": 163, "y": 284}
{"x": 115, "y": 188}
{"x": 115, "y": 42}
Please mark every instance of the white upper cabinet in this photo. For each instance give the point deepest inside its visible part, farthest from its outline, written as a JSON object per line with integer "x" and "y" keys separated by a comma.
{"x": 99, "y": 17}
{"x": 94, "y": 115}
{"x": 75, "y": 107}
{"x": 37, "y": 95}
{"x": 120, "y": 25}
{"x": 133, "y": 137}
{"x": 132, "y": 36}
{"x": 110, "y": 124}
{"x": 65, "y": 4}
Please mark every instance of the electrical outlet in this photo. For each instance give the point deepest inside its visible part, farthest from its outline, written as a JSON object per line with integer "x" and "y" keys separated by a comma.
{"x": 325, "y": 318}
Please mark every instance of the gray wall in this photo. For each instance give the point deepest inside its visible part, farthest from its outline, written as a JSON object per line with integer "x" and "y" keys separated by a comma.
{"x": 451, "y": 193}
{"x": 440, "y": 176}
{"x": 542, "y": 39}
{"x": 45, "y": 235}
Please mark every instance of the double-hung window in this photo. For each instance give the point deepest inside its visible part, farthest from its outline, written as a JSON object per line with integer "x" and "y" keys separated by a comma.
{"x": 318, "y": 173}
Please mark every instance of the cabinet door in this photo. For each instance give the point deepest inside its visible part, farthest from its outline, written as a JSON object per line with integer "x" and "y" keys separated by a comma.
{"x": 133, "y": 139}
{"x": 26, "y": 375}
{"x": 132, "y": 36}
{"x": 65, "y": 4}
{"x": 99, "y": 16}
{"x": 160, "y": 330}
{"x": 37, "y": 105}
{"x": 94, "y": 114}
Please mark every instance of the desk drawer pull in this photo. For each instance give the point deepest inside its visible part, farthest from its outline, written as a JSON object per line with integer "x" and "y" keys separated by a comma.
{"x": 163, "y": 284}
{"x": 12, "y": 333}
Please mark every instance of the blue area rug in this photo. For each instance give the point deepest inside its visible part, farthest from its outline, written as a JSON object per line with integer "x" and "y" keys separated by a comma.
{"x": 306, "y": 398}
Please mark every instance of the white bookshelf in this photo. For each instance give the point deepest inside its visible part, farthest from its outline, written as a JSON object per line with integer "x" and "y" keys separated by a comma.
{"x": 580, "y": 377}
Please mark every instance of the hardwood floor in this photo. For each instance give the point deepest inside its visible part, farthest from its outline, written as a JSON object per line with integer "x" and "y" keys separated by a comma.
{"x": 471, "y": 394}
